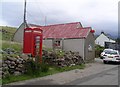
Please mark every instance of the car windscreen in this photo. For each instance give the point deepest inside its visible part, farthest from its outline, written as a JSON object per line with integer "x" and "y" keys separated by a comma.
{"x": 106, "y": 50}
{"x": 111, "y": 52}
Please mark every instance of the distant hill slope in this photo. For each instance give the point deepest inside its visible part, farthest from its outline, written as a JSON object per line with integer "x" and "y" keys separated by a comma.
{"x": 6, "y": 33}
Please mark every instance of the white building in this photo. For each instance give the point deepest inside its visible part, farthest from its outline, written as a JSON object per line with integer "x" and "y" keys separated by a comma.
{"x": 102, "y": 39}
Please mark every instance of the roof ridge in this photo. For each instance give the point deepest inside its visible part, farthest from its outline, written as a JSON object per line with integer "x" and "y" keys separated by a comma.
{"x": 84, "y": 28}
{"x": 54, "y": 24}
{"x": 88, "y": 27}
{"x": 63, "y": 23}
{"x": 35, "y": 25}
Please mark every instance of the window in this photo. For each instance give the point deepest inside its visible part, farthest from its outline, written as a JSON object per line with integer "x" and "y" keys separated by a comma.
{"x": 57, "y": 43}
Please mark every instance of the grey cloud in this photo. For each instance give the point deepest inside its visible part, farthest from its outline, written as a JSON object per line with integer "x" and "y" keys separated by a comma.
{"x": 99, "y": 14}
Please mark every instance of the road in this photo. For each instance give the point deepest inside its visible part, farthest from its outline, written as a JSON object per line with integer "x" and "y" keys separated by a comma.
{"x": 106, "y": 77}
{"x": 95, "y": 73}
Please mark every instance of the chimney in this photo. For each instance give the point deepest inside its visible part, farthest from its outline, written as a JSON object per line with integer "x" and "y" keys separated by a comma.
{"x": 102, "y": 32}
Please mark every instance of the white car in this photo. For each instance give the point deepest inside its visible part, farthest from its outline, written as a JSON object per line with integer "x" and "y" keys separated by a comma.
{"x": 112, "y": 56}
{"x": 103, "y": 53}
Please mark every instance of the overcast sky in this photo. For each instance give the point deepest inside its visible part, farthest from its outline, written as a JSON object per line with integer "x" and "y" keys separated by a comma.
{"x": 101, "y": 15}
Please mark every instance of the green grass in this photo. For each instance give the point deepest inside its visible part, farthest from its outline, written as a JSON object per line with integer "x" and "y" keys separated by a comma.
{"x": 10, "y": 32}
{"x": 0, "y": 56}
{"x": 13, "y": 45}
{"x": 0, "y": 81}
{"x": 9, "y": 29}
{"x": 15, "y": 78}
{"x": 52, "y": 70}
{"x": 6, "y": 44}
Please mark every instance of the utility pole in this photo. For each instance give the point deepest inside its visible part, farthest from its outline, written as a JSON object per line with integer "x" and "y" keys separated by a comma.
{"x": 24, "y": 12}
{"x": 45, "y": 20}
{"x": 24, "y": 19}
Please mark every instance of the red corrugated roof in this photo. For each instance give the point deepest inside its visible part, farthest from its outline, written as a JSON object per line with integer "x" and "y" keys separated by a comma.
{"x": 68, "y": 30}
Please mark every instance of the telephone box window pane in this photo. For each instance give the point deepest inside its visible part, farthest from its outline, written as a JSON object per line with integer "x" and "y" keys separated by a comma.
{"x": 28, "y": 31}
{"x": 37, "y": 37}
{"x": 37, "y": 31}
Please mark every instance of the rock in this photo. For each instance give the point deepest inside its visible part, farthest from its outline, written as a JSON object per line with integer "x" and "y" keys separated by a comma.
{"x": 5, "y": 68}
{"x": 16, "y": 73}
{"x": 17, "y": 61}
{"x": 18, "y": 69}
{"x": 5, "y": 74}
{"x": 10, "y": 58}
{"x": 20, "y": 65}
{"x": 72, "y": 64}
{"x": 11, "y": 66}
{"x": 0, "y": 70}
{"x": 17, "y": 56}
{"x": 24, "y": 56}
{"x": 2, "y": 52}
{"x": 11, "y": 71}
{"x": 10, "y": 51}
{"x": 4, "y": 65}
{"x": 68, "y": 59}
{"x": 13, "y": 63}
{"x": 0, "y": 63}
{"x": 7, "y": 62}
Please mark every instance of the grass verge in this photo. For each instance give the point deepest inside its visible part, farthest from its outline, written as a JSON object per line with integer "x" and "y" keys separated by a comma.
{"x": 52, "y": 70}
{"x": 13, "y": 45}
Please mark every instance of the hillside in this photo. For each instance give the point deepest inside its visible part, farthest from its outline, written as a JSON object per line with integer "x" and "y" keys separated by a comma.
{"x": 6, "y": 33}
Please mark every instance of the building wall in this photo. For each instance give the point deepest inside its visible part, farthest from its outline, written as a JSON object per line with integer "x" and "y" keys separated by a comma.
{"x": 76, "y": 45}
{"x": 48, "y": 43}
{"x": 18, "y": 36}
{"x": 90, "y": 48}
{"x": 102, "y": 39}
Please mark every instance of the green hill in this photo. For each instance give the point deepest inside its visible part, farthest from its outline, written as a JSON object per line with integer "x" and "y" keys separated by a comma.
{"x": 6, "y": 33}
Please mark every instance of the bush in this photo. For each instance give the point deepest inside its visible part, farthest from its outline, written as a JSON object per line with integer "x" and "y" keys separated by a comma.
{"x": 60, "y": 53}
{"x": 44, "y": 67}
{"x": 98, "y": 50}
{"x": 33, "y": 68}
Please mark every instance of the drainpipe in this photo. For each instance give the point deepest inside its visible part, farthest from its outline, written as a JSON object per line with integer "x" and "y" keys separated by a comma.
{"x": 62, "y": 43}
{"x": 83, "y": 48}
{"x": 53, "y": 41}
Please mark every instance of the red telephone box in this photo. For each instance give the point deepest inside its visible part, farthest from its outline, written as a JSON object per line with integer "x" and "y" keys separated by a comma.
{"x": 32, "y": 43}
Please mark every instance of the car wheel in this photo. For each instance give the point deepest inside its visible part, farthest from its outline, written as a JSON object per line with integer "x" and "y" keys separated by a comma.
{"x": 101, "y": 57}
{"x": 105, "y": 62}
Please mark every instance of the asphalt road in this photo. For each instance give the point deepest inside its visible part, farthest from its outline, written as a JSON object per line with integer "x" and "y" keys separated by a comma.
{"x": 108, "y": 77}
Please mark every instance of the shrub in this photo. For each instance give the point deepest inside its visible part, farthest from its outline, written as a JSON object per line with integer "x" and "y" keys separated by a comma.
{"x": 44, "y": 67}
{"x": 34, "y": 68}
{"x": 60, "y": 53}
{"x": 98, "y": 50}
